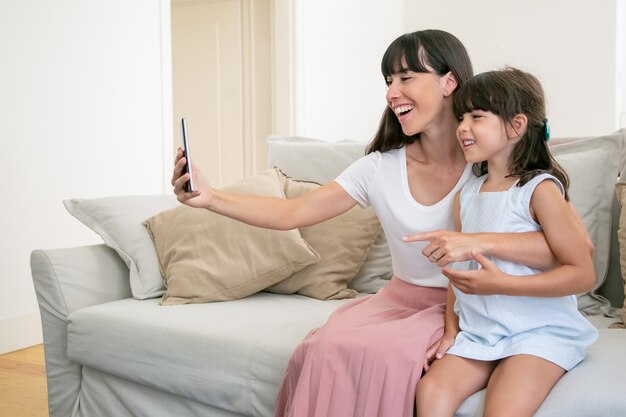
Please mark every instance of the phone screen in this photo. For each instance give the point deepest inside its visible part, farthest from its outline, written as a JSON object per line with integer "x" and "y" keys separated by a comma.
{"x": 189, "y": 187}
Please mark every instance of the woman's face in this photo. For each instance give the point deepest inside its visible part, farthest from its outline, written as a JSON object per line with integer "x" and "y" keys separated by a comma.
{"x": 416, "y": 98}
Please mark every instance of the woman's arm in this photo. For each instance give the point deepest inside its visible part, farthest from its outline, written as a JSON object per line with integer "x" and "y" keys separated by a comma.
{"x": 310, "y": 208}
{"x": 451, "y": 329}
{"x": 529, "y": 248}
{"x": 451, "y": 320}
{"x": 566, "y": 237}
{"x": 445, "y": 247}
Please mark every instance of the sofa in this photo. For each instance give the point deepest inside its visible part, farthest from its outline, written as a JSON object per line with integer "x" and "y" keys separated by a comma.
{"x": 117, "y": 345}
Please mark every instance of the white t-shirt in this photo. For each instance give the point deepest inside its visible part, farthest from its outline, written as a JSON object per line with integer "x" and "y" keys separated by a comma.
{"x": 380, "y": 180}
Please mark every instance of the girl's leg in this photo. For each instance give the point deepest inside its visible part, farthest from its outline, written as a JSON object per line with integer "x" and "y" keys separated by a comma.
{"x": 448, "y": 382}
{"x": 519, "y": 385}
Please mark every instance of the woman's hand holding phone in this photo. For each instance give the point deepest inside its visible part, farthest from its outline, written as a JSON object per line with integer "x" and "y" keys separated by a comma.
{"x": 201, "y": 197}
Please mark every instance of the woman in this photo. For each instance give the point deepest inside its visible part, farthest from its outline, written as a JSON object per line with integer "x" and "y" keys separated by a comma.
{"x": 367, "y": 359}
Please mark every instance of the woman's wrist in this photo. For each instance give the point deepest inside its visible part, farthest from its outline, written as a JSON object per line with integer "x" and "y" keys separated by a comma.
{"x": 484, "y": 243}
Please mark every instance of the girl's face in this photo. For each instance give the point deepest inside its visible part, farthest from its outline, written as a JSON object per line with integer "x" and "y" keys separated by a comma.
{"x": 416, "y": 98}
{"x": 483, "y": 136}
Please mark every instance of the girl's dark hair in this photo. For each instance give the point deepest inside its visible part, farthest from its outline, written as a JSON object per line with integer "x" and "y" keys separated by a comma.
{"x": 437, "y": 49}
{"x": 507, "y": 93}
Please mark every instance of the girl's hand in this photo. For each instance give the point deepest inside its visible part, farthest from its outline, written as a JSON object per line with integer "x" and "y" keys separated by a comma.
{"x": 446, "y": 246}
{"x": 438, "y": 349}
{"x": 485, "y": 281}
{"x": 201, "y": 197}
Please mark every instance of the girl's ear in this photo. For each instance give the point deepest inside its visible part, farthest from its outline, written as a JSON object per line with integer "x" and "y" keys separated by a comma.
{"x": 448, "y": 83}
{"x": 517, "y": 126}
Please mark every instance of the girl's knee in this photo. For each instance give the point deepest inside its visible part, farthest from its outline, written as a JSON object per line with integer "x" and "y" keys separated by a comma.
{"x": 431, "y": 391}
{"x": 435, "y": 398}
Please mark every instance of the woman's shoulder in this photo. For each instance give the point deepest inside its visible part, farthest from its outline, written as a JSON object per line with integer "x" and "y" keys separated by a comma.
{"x": 391, "y": 154}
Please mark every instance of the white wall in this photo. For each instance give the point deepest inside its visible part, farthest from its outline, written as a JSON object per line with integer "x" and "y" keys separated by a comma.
{"x": 82, "y": 99}
{"x": 569, "y": 44}
{"x": 339, "y": 89}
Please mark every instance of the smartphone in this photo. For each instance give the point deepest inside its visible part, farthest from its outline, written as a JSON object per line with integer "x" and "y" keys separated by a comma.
{"x": 189, "y": 187}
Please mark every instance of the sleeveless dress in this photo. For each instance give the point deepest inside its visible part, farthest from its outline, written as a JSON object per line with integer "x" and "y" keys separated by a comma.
{"x": 367, "y": 359}
{"x": 498, "y": 326}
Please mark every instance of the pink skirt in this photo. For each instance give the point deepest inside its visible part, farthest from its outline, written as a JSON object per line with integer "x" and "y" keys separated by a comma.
{"x": 367, "y": 359}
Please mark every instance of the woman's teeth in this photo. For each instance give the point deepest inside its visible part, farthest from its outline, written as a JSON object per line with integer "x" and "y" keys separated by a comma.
{"x": 400, "y": 110}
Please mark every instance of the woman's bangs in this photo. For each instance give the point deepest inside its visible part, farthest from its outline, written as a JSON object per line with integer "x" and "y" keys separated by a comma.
{"x": 403, "y": 47}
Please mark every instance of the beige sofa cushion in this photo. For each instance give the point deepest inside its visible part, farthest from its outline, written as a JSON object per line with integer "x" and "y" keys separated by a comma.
{"x": 308, "y": 159}
{"x": 343, "y": 243}
{"x": 207, "y": 257}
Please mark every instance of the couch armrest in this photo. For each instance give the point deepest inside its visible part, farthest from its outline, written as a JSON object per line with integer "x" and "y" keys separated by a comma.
{"x": 67, "y": 280}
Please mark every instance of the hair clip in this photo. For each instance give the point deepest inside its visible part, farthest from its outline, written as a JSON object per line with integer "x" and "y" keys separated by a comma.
{"x": 546, "y": 129}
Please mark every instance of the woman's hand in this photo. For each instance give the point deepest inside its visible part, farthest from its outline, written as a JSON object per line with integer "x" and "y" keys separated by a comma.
{"x": 446, "y": 246}
{"x": 485, "y": 281}
{"x": 201, "y": 197}
{"x": 438, "y": 349}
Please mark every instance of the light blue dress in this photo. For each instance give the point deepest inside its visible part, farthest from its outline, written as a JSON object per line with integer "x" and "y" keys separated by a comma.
{"x": 498, "y": 326}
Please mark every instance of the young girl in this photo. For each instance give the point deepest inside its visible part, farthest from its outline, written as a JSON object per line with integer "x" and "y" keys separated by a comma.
{"x": 519, "y": 329}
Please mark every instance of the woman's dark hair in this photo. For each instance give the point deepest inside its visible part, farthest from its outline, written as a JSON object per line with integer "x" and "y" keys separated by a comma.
{"x": 508, "y": 93}
{"x": 437, "y": 49}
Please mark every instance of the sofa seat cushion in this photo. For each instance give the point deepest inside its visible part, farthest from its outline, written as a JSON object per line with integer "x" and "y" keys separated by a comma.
{"x": 595, "y": 387}
{"x": 230, "y": 355}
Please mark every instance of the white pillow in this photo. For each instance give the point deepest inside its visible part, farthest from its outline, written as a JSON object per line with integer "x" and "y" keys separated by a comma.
{"x": 593, "y": 166}
{"x": 314, "y": 160}
{"x": 119, "y": 221}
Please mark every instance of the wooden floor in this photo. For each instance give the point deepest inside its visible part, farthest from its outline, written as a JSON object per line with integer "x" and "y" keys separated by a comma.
{"x": 23, "y": 391}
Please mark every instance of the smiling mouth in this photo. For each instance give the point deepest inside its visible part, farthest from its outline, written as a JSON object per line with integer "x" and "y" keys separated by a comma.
{"x": 467, "y": 143}
{"x": 402, "y": 110}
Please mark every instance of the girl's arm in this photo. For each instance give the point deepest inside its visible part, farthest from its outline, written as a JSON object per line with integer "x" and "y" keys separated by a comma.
{"x": 566, "y": 237}
{"x": 310, "y": 208}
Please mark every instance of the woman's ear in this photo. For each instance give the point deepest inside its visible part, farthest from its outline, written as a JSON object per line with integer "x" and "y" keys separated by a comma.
{"x": 517, "y": 126}
{"x": 448, "y": 83}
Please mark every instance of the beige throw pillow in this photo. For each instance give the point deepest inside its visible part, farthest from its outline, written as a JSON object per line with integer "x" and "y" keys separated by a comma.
{"x": 207, "y": 257}
{"x": 308, "y": 159}
{"x": 343, "y": 243}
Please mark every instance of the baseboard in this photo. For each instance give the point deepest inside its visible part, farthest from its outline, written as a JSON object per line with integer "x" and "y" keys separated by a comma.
{"x": 19, "y": 332}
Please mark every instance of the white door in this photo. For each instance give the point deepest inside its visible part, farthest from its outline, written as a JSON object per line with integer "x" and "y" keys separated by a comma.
{"x": 222, "y": 84}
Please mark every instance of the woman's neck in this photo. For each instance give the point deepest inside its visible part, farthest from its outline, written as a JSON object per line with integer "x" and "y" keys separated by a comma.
{"x": 438, "y": 145}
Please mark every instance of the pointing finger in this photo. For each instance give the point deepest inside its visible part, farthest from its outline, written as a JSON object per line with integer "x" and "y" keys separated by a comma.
{"x": 420, "y": 237}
